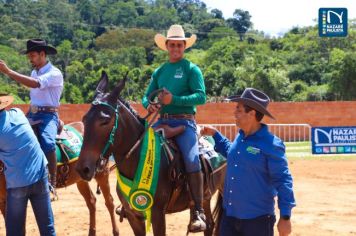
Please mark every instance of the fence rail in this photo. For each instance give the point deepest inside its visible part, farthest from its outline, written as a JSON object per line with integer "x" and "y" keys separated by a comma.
{"x": 287, "y": 132}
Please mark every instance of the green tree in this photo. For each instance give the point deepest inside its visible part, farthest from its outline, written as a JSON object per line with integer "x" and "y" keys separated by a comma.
{"x": 343, "y": 80}
{"x": 121, "y": 14}
{"x": 240, "y": 22}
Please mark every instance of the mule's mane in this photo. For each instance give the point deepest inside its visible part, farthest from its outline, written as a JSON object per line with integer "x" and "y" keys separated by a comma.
{"x": 133, "y": 111}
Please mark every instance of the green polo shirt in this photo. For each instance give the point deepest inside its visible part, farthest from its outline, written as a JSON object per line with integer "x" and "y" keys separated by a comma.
{"x": 186, "y": 83}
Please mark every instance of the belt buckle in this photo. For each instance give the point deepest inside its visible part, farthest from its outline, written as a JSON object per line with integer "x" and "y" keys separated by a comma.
{"x": 165, "y": 116}
{"x": 34, "y": 109}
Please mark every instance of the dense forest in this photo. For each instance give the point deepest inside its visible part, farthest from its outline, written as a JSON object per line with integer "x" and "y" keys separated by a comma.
{"x": 117, "y": 36}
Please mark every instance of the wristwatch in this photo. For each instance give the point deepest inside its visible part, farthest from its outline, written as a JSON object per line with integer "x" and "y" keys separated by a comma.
{"x": 285, "y": 217}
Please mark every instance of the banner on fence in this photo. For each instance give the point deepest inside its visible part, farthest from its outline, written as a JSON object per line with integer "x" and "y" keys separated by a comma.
{"x": 334, "y": 140}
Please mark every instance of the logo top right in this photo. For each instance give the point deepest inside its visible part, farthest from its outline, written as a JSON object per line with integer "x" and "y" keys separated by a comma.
{"x": 332, "y": 22}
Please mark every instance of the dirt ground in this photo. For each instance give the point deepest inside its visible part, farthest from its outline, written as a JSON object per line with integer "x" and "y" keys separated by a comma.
{"x": 325, "y": 192}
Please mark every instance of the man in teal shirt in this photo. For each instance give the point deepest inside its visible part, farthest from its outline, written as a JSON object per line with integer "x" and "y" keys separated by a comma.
{"x": 184, "y": 88}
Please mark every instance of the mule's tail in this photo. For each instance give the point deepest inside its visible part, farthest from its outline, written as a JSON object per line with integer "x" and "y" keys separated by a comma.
{"x": 217, "y": 214}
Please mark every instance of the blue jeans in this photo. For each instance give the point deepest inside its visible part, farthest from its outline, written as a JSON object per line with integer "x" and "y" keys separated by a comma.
{"x": 260, "y": 226}
{"x": 187, "y": 142}
{"x": 16, "y": 206}
{"x": 47, "y": 129}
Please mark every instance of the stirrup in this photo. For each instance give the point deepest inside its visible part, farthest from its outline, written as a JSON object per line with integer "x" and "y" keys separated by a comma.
{"x": 197, "y": 223}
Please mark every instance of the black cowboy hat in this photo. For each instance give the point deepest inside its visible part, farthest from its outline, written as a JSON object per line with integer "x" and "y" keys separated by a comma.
{"x": 38, "y": 45}
{"x": 253, "y": 98}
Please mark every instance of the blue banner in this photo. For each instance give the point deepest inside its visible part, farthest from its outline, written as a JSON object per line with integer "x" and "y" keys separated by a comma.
{"x": 334, "y": 140}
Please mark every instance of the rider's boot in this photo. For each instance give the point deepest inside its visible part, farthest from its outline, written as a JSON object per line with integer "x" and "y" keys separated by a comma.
{"x": 197, "y": 218}
{"x": 52, "y": 168}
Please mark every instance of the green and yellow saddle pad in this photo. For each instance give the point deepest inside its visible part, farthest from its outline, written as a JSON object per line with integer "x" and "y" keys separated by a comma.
{"x": 70, "y": 143}
{"x": 140, "y": 191}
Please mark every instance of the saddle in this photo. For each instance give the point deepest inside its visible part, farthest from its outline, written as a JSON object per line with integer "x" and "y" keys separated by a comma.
{"x": 68, "y": 145}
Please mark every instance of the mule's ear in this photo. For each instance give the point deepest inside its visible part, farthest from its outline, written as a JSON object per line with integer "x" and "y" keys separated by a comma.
{"x": 117, "y": 90}
{"x": 103, "y": 83}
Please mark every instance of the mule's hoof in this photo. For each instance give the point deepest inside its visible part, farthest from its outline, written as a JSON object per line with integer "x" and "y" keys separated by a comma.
{"x": 92, "y": 232}
{"x": 197, "y": 223}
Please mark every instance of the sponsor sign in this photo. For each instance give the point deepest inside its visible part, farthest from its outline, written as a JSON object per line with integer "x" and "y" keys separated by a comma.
{"x": 332, "y": 22}
{"x": 334, "y": 140}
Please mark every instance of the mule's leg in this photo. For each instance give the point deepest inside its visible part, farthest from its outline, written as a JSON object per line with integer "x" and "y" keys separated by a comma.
{"x": 209, "y": 219}
{"x": 137, "y": 223}
{"x": 158, "y": 222}
{"x": 2, "y": 194}
{"x": 90, "y": 200}
{"x": 103, "y": 181}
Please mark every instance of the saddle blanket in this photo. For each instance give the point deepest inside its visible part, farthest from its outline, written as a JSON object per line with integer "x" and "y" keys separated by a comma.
{"x": 69, "y": 141}
{"x": 206, "y": 150}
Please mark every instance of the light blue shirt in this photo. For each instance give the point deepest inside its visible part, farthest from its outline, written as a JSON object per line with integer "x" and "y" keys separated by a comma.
{"x": 51, "y": 86}
{"x": 257, "y": 171}
{"x": 25, "y": 162}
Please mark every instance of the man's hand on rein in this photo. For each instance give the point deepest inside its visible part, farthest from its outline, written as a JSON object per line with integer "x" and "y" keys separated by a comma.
{"x": 153, "y": 108}
{"x": 165, "y": 97}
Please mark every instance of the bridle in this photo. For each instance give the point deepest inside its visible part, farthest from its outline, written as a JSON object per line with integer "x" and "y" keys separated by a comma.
{"x": 103, "y": 160}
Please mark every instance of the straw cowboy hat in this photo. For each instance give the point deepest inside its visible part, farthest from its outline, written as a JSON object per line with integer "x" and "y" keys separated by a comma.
{"x": 38, "y": 45}
{"x": 255, "y": 99}
{"x": 175, "y": 32}
{"x": 5, "y": 100}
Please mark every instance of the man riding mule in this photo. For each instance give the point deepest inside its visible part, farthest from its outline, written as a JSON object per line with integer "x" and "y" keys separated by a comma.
{"x": 184, "y": 88}
{"x": 112, "y": 127}
{"x": 46, "y": 83}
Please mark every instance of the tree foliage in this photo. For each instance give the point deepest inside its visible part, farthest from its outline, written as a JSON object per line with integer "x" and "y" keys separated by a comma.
{"x": 117, "y": 36}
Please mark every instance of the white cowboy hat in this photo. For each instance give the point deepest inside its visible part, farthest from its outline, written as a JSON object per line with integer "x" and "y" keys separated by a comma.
{"x": 5, "y": 100}
{"x": 175, "y": 32}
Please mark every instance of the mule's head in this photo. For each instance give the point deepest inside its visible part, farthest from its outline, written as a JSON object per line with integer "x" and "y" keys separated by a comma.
{"x": 99, "y": 123}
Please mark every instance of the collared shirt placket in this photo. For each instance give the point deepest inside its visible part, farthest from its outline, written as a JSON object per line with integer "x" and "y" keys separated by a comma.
{"x": 233, "y": 177}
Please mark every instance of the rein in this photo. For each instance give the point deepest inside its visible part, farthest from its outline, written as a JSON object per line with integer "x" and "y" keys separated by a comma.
{"x": 150, "y": 100}
{"x": 102, "y": 159}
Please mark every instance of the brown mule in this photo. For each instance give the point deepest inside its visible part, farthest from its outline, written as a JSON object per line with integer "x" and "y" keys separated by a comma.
{"x": 113, "y": 127}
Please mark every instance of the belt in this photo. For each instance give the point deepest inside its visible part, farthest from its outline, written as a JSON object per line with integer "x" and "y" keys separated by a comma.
{"x": 35, "y": 109}
{"x": 178, "y": 116}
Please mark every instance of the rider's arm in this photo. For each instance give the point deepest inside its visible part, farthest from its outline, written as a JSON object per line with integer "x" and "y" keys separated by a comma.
{"x": 23, "y": 79}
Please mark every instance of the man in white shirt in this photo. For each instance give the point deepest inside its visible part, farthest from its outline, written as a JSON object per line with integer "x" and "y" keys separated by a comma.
{"x": 46, "y": 86}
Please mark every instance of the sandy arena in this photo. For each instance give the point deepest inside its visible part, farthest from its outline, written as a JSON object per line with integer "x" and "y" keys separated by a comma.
{"x": 325, "y": 193}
